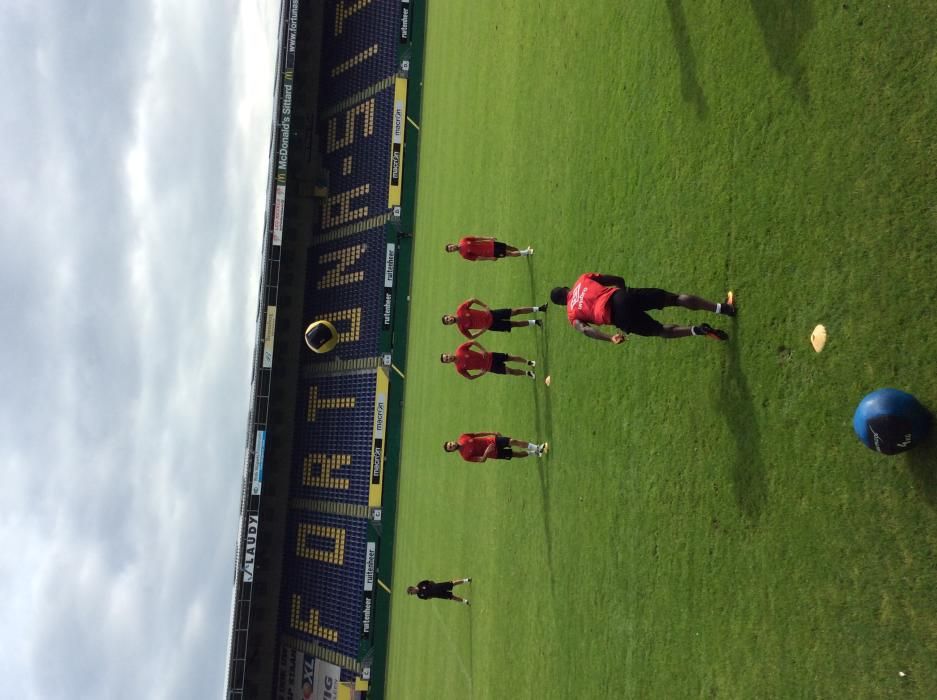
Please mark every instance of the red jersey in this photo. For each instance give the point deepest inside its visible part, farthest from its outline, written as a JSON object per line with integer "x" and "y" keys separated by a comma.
{"x": 472, "y": 248}
{"x": 590, "y": 301}
{"x": 474, "y": 446}
{"x": 466, "y": 358}
{"x": 472, "y": 319}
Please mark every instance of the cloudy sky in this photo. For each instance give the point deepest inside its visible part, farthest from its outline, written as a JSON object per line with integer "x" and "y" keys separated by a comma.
{"x": 134, "y": 163}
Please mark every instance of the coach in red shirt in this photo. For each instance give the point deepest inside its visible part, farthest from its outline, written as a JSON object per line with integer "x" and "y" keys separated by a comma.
{"x": 478, "y": 360}
{"x": 477, "y": 447}
{"x": 605, "y": 300}
{"x": 474, "y": 317}
{"x": 477, "y": 248}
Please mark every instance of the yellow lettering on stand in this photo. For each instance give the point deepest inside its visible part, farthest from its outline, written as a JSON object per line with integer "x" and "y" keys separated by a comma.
{"x": 366, "y": 110}
{"x": 327, "y": 464}
{"x": 355, "y": 60}
{"x": 346, "y": 257}
{"x": 315, "y": 403}
{"x": 335, "y": 555}
{"x": 353, "y": 316}
{"x": 343, "y": 201}
{"x": 342, "y": 13}
{"x": 311, "y": 624}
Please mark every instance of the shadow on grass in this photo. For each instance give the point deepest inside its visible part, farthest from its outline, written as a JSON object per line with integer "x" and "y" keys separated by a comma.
{"x": 471, "y": 649}
{"x": 785, "y": 25}
{"x": 543, "y": 421}
{"x": 922, "y": 463}
{"x": 543, "y": 474}
{"x": 689, "y": 84}
{"x": 543, "y": 414}
{"x": 748, "y": 468}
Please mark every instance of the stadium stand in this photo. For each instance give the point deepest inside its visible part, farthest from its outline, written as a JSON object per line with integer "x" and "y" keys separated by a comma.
{"x": 311, "y": 511}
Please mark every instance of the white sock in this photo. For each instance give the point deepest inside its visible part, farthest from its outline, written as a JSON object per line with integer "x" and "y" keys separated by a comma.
{"x": 526, "y": 251}
{"x": 532, "y": 323}
{"x": 718, "y": 308}
{"x": 531, "y": 448}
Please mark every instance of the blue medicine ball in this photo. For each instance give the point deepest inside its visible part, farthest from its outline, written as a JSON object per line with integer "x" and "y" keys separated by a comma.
{"x": 890, "y": 421}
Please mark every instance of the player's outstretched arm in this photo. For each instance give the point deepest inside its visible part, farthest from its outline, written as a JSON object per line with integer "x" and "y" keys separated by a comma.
{"x": 591, "y": 331}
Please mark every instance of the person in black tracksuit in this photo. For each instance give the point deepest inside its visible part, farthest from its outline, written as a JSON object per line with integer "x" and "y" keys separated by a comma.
{"x": 427, "y": 589}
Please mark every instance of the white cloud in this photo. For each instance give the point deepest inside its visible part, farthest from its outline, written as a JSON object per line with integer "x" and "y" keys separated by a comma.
{"x": 133, "y": 203}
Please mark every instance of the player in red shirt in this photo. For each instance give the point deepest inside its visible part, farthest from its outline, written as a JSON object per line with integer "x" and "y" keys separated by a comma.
{"x": 476, "y": 248}
{"x": 481, "y": 361}
{"x": 474, "y": 317}
{"x": 603, "y": 300}
{"x": 477, "y": 447}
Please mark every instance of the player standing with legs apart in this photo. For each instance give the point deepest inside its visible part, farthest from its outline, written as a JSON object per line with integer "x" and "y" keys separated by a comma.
{"x": 427, "y": 589}
{"x": 477, "y": 447}
{"x": 602, "y": 300}
{"x": 477, "y": 248}
{"x": 474, "y": 317}
{"x": 479, "y": 360}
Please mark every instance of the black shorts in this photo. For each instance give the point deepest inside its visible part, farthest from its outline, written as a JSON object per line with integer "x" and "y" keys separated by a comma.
{"x": 501, "y": 249}
{"x": 629, "y": 307}
{"x": 442, "y": 590}
{"x": 504, "y": 448}
{"x": 497, "y": 363}
{"x": 500, "y": 320}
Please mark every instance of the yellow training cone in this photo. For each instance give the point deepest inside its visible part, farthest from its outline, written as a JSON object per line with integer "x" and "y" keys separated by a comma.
{"x": 818, "y": 338}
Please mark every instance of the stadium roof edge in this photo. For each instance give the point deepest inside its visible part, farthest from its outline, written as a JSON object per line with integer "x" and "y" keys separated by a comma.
{"x": 233, "y": 631}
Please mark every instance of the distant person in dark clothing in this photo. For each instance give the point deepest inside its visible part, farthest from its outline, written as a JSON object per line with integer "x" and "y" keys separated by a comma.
{"x": 425, "y": 590}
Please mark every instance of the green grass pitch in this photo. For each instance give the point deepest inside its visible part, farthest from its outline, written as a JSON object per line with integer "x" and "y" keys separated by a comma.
{"x": 706, "y": 524}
